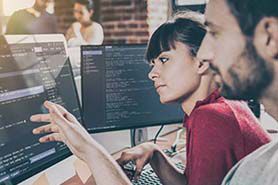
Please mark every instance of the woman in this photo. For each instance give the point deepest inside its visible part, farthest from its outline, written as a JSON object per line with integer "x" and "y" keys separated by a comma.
{"x": 216, "y": 133}
{"x": 84, "y": 31}
{"x": 219, "y": 132}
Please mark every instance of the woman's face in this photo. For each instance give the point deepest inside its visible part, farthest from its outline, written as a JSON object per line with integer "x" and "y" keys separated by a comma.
{"x": 81, "y": 13}
{"x": 174, "y": 74}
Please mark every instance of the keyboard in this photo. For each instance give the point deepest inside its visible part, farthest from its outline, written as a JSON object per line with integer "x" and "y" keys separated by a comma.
{"x": 148, "y": 177}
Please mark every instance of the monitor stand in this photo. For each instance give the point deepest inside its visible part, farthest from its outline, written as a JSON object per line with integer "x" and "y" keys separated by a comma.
{"x": 118, "y": 140}
{"x": 138, "y": 136}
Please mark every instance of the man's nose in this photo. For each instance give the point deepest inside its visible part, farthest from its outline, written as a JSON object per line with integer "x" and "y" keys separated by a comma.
{"x": 205, "y": 52}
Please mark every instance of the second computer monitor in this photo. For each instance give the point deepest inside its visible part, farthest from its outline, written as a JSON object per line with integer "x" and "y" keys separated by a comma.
{"x": 116, "y": 91}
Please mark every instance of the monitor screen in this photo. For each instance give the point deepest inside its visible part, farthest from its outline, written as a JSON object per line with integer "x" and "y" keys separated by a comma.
{"x": 32, "y": 69}
{"x": 116, "y": 91}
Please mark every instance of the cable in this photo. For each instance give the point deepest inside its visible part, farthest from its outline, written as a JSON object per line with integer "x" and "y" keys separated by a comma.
{"x": 132, "y": 137}
{"x": 157, "y": 134}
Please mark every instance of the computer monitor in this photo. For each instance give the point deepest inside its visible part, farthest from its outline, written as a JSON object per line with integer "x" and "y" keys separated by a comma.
{"x": 186, "y": 5}
{"x": 116, "y": 91}
{"x": 33, "y": 69}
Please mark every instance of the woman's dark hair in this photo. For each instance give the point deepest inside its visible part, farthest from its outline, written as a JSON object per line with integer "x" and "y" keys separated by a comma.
{"x": 88, "y": 3}
{"x": 186, "y": 27}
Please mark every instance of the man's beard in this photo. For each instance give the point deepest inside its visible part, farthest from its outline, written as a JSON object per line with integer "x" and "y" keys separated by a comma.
{"x": 259, "y": 78}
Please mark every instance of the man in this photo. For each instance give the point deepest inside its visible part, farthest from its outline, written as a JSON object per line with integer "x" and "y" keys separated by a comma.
{"x": 242, "y": 47}
{"x": 34, "y": 20}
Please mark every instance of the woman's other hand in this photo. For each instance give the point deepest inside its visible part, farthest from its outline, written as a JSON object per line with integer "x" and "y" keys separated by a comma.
{"x": 140, "y": 154}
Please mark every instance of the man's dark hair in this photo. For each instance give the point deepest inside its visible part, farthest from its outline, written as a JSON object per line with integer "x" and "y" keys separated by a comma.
{"x": 186, "y": 28}
{"x": 88, "y": 3}
{"x": 249, "y": 12}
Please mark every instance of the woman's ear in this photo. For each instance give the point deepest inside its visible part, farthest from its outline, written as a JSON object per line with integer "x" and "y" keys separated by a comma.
{"x": 203, "y": 67}
{"x": 91, "y": 13}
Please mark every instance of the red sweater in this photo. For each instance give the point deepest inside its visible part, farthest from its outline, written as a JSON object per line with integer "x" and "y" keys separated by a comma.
{"x": 219, "y": 134}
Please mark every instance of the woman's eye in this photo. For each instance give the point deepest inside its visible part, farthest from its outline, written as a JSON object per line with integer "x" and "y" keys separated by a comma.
{"x": 163, "y": 59}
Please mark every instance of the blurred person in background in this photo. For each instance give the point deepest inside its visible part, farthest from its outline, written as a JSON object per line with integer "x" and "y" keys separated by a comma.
{"x": 84, "y": 31}
{"x": 33, "y": 20}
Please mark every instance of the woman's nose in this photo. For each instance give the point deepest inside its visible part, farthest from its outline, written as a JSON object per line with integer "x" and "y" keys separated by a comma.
{"x": 154, "y": 73}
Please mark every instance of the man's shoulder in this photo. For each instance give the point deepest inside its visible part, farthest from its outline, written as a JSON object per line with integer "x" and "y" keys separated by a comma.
{"x": 262, "y": 155}
{"x": 20, "y": 13}
{"x": 256, "y": 168}
{"x": 49, "y": 14}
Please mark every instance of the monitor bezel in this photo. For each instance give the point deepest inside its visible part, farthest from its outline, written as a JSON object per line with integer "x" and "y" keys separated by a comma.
{"x": 196, "y": 6}
{"x": 42, "y": 38}
{"x": 99, "y": 130}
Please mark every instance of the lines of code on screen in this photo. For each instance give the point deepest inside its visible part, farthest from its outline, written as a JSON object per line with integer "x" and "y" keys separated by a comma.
{"x": 117, "y": 93}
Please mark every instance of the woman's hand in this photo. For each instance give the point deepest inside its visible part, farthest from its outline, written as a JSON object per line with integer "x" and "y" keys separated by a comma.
{"x": 140, "y": 154}
{"x": 63, "y": 127}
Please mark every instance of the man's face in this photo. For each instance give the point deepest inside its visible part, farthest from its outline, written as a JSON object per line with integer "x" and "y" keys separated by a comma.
{"x": 244, "y": 74}
{"x": 42, "y": 4}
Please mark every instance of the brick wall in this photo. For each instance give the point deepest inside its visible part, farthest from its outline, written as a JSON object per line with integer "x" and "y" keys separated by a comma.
{"x": 123, "y": 21}
{"x": 64, "y": 12}
{"x": 131, "y": 21}
{"x": 158, "y": 11}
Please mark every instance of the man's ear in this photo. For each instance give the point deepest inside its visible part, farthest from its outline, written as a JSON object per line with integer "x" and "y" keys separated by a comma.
{"x": 266, "y": 38}
{"x": 203, "y": 67}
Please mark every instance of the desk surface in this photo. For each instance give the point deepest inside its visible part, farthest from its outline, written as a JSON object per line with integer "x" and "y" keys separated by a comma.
{"x": 165, "y": 142}
{"x": 81, "y": 175}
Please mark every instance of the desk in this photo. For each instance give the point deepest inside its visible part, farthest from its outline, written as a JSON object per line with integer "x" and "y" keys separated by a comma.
{"x": 164, "y": 141}
{"x": 80, "y": 175}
